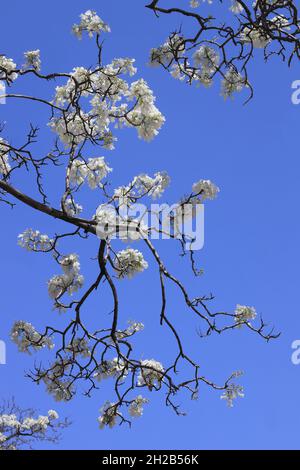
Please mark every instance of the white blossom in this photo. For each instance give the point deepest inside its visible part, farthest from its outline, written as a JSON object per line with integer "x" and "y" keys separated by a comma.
{"x": 145, "y": 115}
{"x": 33, "y": 60}
{"x": 123, "y": 65}
{"x": 79, "y": 346}
{"x": 70, "y": 265}
{"x": 151, "y": 373}
{"x": 110, "y": 416}
{"x": 111, "y": 369}
{"x": 59, "y": 389}
{"x": 97, "y": 169}
{"x": 231, "y": 393}
{"x": 244, "y": 313}
{"x": 256, "y": 36}
{"x": 13, "y": 429}
{"x": 7, "y": 69}
{"x": 153, "y": 187}
{"x": 71, "y": 208}
{"x": 124, "y": 195}
{"x": 136, "y": 407}
{"x": 111, "y": 98}
{"x": 33, "y": 240}
{"x": 9, "y": 421}
{"x": 78, "y": 172}
{"x": 232, "y": 82}
{"x": 53, "y": 415}
{"x": 71, "y": 281}
{"x": 25, "y": 336}
{"x": 91, "y": 23}
{"x": 206, "y": 58}
{"x": 80, "y": 81}
{"x": 129, "y": 262}
{"x": 194, "y": 3}
{"x": 73, "y": 128}
{"x": 4, "y": 161}
{"x": 236, "y": 7}
{"x": 106, "y": 218}
{"x": 281, "y": 22}
{"x": 36, "y": 425}
{"x": 133, "y": 327}
{"x": 205, "y": 189}
{"x": 164, "y": 54}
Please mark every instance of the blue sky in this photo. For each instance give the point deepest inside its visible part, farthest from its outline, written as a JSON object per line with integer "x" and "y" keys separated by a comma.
{"x": 251, "y": 254}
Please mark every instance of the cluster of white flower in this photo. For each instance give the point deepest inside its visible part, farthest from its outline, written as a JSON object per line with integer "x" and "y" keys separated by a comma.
{"x": 142, "y": 185}
{"x": 106, "y": 218}
{"x": 7, "y": 69}
{"x": 59, "y": 389}
{"x": 236, "y": 7}
{"x": 71, "y": 208}
{"x": 233, "y": 82}
{"x": 91, "y": 23}
{"x": 124, "y": 196}
{"x": 110, "y": 416}
{"x": 53, "y": 415}
{"x": 105, "y": 82}
{"x": 62, "y": 389}
{"x": 243, "y": 314}
{"x": 281, "y": 22}
{"x": 4, "y": 162}
{"x": 25, "y": 336}
{"x": 207, "y": 60}
{"x": 33, "y": 240}
{"x": 71, "y": 281}
{"x": 124, "y": 65}
{"x": 33, "y": 60}
{"x": 79, "y": 346}
{"x": 136, "y": 407}
{"x": 111, "y": 369}
{"x": 134, "y": 327}
{"x": 205, "y": 65}
{"x": 205, "y": 189}
{"x": 80, "y": 81}
{"x": 73, "y": 128}
{"x": 231, "y": 393}
{"x": 93, "y": 171}
{"x": 145, "y": 115}
{"x": 258, "y": 37}
{"x": 111, "y": 98}
{"x": 151, "y": 373}
{"x": 164, "y": 54}
{"x": 10, "y": 425}
{"x": 129, "y": 262}
{"x": 153, "y": 187}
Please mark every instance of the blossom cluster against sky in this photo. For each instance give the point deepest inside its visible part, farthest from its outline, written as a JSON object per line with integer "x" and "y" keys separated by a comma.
{"x": 250, "y": 256}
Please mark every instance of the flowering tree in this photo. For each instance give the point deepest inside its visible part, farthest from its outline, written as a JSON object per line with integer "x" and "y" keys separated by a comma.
{"x": 222, "y": 43}
{"x": 85, "y": 107}
{"x": 19, "y": 428}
